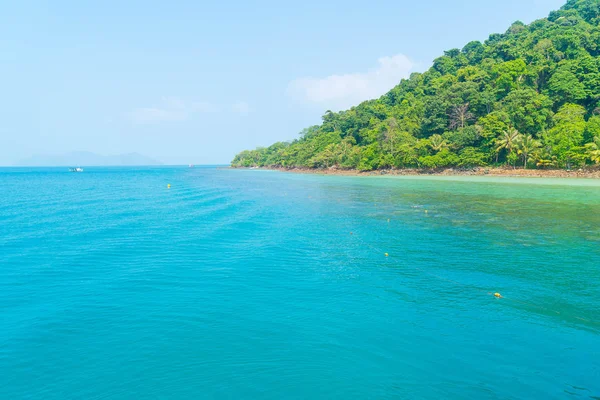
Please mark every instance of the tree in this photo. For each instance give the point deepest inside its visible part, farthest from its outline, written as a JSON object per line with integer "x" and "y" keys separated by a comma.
{"x": 529, "y": 111}
{"x": 460, "y": 116}
{"x": 368, "y": 158}
{"x": 526, "y": 145}
{"x": 391, "y": 134}
{"x": 445, "y": 158}
{"x": 566, "y": 136}
{"x": 592, "y": 128}
{"x": 472, "y": 157}
{"x": 507, "y": 140}
{"x": 509, "y": 75}
{"x": 545, "y": 47}
{"x": 492, "y": 126}
{"x": 593, "y": 150}
{"x": 437, "y": 143}
{"x": 346, "y": 147}
{"x": 564, "y": 87}
{"x": 544, "y": 158}
{"x": 516, "y": 28}
{"x": 461, "y": 138}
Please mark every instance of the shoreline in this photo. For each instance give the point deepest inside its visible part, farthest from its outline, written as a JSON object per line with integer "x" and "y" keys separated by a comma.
{"x": 589, "y": 173}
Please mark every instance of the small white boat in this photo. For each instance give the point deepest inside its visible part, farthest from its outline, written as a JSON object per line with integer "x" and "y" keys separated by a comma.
{"x": 76, "y": 169}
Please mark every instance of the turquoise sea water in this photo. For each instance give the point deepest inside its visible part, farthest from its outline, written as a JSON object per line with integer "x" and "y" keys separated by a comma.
{"x": 258, "y": 284}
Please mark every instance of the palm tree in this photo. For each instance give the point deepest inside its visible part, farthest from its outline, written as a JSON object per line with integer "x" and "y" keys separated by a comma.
{"x": 346, "y": 147}
{"x": 593, "y": 150}
{"x": 526, "y": 146}
{"x": 437, "y": 142}
{"x": 544, "y": 158}
{"x": 507, "y": 140}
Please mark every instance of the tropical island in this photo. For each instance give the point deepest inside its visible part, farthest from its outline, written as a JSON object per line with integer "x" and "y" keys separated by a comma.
{"x": 525, "y": 99}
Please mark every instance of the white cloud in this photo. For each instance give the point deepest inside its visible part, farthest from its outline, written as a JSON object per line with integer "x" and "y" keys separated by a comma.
{"x": 343, "y": 91}
{"x": 176, "y": 109}
{"x": 241, "y": 107}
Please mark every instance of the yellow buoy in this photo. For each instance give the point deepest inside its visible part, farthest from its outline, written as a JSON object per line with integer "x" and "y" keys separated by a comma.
{"x": 426, "y": 211}
{"x": 386, "y": 254}
{"x": 498, "y": 295}
{"x": 168, "y": 186}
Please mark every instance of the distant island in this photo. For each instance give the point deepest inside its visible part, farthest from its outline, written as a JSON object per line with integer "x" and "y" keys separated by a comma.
{"x": 528, "y": 99}
{"x": 84, "y": 158}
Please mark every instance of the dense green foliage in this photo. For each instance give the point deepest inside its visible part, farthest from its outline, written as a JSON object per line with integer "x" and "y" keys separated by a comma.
{"x": 529, "y": 97}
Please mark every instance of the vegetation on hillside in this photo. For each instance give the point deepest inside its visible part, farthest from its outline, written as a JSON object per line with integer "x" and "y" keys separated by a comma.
{"x": 527, "y": 98}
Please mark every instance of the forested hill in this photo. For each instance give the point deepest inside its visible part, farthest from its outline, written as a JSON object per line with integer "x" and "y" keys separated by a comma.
{"x": 529, "y": 98}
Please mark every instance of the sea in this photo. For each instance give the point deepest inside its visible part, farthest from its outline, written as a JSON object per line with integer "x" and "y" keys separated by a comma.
{"x": 208, "y": 282}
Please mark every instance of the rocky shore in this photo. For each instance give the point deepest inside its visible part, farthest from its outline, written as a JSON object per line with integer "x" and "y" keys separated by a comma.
{"x": 592, "y": 173}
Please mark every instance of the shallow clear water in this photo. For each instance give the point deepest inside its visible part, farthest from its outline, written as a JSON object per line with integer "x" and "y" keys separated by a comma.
{"x": 259, "y": 284}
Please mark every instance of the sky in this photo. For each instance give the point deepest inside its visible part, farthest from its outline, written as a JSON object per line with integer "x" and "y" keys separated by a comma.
{"x": 187, "y": 81}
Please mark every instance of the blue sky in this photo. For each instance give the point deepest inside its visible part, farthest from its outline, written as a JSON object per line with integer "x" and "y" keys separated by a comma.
{"x": 196, "y": 82}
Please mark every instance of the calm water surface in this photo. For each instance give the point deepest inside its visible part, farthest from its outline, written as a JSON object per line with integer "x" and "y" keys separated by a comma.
{"x": 258, "y": 284}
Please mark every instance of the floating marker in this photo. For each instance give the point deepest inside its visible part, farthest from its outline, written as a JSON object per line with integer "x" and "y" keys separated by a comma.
{"x": 426, "y": 211}
{"x": 388, "y": 220}
{"x": 351, "y": 233}
{"x": 386, "y": 254}
{"x": 168, "y": 186}
{"x": 498, "y": 295}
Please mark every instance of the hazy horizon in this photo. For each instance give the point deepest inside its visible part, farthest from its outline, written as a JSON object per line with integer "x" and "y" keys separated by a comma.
{"x": 107, "y": 160}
